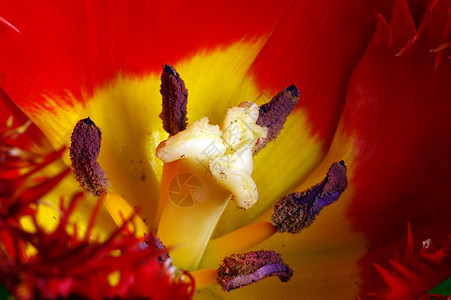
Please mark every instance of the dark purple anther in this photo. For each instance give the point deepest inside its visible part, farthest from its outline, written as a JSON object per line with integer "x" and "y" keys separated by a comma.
{"x": 274, "y": 113}
{"x": 297, "y": 211}
{"x": 84, "y": 150}
{"x": 175, "y": 98}
{"x": 240, "y": 270}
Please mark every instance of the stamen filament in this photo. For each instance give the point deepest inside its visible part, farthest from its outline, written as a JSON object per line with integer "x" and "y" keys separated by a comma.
{"x": 120, "y": 211}
{"x": 205, "y": 278}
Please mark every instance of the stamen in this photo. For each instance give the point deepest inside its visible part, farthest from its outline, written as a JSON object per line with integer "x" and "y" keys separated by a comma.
{"x": 120, "y": 210}
{"x": 84, "y": 150}
{"x": 274, "y": 113}
{"x": 175, "y": 98}
{"x": 297, "y": 211}
{"x": 240, "y": 270}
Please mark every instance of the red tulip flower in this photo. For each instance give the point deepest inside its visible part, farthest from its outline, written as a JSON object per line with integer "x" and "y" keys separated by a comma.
{"x": 360, "y": 170}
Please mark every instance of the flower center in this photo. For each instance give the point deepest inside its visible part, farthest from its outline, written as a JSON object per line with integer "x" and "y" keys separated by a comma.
{"x": 220, "y": 157}
{"x": 205, "y": 166}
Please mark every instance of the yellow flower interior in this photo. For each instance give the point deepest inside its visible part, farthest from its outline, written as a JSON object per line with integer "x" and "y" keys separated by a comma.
{"x": 127, "y": 112}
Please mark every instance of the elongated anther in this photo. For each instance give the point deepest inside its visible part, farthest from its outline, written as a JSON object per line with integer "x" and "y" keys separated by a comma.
{"x": 84, "y": 150}
{"x": 273, "y": 114}
{"x": 240, "y": 270}
{"x": 175, "y": 98}
{"x": 297, "y": 211}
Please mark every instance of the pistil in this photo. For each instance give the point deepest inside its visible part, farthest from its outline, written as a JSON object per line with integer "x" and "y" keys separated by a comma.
{"x": 204, "y": 165}
{"x": 194, "y": 203}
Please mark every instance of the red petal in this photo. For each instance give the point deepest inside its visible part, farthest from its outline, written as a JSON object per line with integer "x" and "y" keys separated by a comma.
{"x": 398, "y": 113}
{"x": 67, "y": 49}
{"x": 316, "y": 47}
{"x": 417, "y": 273}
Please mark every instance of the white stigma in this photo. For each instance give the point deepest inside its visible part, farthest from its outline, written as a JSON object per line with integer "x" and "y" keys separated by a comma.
{"x": 226, "y": 150}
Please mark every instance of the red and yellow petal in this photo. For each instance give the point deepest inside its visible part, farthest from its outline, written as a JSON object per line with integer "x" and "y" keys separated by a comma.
{"x": 116, "y": 56}
{"x": 66, "y": 51}
{"x": 84, "y": 54}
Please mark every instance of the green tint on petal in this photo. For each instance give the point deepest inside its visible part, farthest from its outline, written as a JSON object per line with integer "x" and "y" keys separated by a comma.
{"x": 3, "y": 293}
{"x": 443, "y": 288}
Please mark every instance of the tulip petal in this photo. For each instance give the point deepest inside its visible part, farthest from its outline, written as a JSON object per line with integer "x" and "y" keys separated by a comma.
{"x": 65, "y": 51}
{"x": 78, "y": 72}
{"x": 34, "y": 139}
{"x": 57, "y": 99}
{"x": 316, "y": 47}
{"x": 398, "y": 110}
